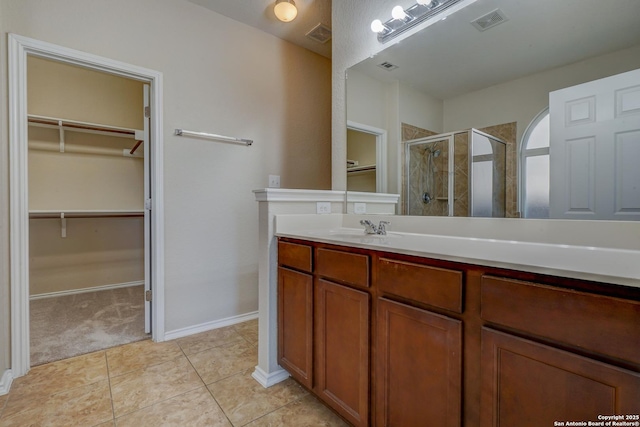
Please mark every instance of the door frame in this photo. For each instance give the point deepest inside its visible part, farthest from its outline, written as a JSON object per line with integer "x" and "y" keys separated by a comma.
{"x": 381, "y": 152}
{"x": 19, "y": 48}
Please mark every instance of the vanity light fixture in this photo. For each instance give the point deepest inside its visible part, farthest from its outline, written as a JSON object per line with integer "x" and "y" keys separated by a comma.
{"x": 285, "y": 10}
{"x": 403, "y": 19}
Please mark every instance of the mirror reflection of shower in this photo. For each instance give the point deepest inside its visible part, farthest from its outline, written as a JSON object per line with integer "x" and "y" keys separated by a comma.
{"x": 455, "y": 174}
{"x": 432, "y": 153}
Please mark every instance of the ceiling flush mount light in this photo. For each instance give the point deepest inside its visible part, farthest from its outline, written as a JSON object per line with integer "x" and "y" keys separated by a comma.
{"x": 285, "y": 10}
{"x": 403, "y": 19}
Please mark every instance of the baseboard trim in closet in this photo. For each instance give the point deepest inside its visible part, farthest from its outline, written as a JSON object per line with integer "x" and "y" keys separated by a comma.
{"x": 203, "y": 327}
{"x": 85, "y": 290}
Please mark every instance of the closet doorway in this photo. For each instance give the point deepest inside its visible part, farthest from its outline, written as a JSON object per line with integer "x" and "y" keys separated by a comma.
{"x": 88, "y": 149}
{"x": 86, "y": 198}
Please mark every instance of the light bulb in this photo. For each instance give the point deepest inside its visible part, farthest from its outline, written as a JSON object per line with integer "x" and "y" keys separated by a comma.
{"x": 398, "y": 13}
{"x": 377, "y": 26}
{"x": 424, "y": 2}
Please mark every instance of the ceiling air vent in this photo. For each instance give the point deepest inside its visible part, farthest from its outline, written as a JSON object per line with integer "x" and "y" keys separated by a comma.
{"x": 320, "y": 33}
{"x": 489, "y": 20}
{"x": 387, "y": 66}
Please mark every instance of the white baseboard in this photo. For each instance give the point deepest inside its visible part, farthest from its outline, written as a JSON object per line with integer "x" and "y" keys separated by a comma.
{"x": 203, "y": 327}
{"x": 85, "y": 290}
{"x": 267, "y": 380}
{"x": 5, "y": 382}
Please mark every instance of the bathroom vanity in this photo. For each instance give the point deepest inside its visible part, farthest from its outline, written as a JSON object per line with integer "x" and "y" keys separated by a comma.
{"x": 390, "y": 336}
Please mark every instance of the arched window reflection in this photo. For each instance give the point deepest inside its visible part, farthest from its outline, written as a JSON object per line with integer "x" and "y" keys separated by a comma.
{"x": 534, "y": 163}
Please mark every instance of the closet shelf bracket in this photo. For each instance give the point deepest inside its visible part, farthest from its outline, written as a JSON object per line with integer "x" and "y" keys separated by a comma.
{"x": 61, "y": 130}
{"x": 63, "y": 225}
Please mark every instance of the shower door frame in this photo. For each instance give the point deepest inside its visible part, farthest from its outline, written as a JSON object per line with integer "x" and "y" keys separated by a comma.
{"x": 439, "y": 137}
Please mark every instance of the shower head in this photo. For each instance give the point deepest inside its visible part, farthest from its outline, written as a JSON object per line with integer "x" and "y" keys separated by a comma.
{"x": 434, "y": 153}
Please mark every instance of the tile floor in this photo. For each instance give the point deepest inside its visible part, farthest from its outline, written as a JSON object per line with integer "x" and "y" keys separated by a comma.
{"x": 200, "y": 380}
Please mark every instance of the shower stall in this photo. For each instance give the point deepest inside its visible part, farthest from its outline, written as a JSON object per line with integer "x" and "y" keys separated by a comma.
{"x": 456, "y": 174}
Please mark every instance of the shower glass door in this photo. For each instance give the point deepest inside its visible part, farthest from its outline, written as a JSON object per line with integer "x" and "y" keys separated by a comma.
{"x": 487, "y": 176}
{"x": 427, "y": 176}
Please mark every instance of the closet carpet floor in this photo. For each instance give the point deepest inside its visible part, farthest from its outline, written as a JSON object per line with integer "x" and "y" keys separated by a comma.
{"x": 70, "y": 325}
{"x": 200, "y": 380}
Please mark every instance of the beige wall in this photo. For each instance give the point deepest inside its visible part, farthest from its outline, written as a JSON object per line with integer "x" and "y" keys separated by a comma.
{"x": 361, "y": 146}
{"x": 70, "y": 92}
{"x": 218, "y": 76}
{"x": 96, "y": 252}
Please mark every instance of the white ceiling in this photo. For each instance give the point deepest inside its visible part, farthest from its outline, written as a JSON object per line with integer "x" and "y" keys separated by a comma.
{"x": 259, "y": 14}
{"x": 451, "y": 57}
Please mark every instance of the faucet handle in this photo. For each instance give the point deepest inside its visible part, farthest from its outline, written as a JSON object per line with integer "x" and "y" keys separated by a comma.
{"x": 369, "y": 227}
{"x": 382, "y": 228}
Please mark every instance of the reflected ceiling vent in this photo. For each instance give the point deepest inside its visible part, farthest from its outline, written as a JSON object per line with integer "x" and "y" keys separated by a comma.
{"x": 489, "y": 20}
{"x": 320, "y": 33}
{"x": 387, "y": 66}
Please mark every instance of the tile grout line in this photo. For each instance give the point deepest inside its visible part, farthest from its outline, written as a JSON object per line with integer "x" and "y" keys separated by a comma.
{"x": 4, "y": 405}
{"x": 205, "y": 385}
{"x": 276, "y": 409}
{"x": 159, "y": 401}
{"x": 145, "y": 366}
{"x": 113, "y": 411}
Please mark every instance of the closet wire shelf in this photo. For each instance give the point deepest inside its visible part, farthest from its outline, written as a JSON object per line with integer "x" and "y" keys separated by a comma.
{"x": 64, "y": 215}
{"x": 85, "y": 214}
{"x": 78, "y": 126}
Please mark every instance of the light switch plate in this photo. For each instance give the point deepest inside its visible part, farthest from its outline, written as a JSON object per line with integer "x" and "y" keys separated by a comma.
{"x": 359, "y": 208}
{"x": 274, "y": 181}
{"x": 323, "y": 207}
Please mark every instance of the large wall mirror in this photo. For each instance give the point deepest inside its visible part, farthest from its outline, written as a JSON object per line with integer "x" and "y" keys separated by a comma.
{"x": 458, "y": 98}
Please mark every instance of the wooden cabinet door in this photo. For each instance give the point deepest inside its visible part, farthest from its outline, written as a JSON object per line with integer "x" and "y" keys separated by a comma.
{"x": 342, "y": 344}
{"x": 530, "y": 385}
{"x": 295, "y": 324}
{"x": 418, "y": 367}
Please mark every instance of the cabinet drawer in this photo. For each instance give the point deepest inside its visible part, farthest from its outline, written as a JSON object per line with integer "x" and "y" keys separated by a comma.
{"x": 434, "y": 286}
{"x": 597, "y": 323}
{"x": 295, "y": 256}
{"x": 343, "y": 266}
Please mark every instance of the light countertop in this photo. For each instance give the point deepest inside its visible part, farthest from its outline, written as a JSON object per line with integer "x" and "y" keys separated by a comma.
{"x": 602, "y": 251}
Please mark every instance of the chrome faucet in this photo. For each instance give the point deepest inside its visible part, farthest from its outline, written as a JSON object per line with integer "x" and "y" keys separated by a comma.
{"x": 370, "y": 227}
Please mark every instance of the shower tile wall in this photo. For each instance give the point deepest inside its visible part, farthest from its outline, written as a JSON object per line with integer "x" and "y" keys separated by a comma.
{"x": 419, "y": 170}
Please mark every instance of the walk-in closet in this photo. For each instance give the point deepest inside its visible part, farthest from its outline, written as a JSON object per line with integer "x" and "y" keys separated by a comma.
{"x": 86, "y": 193}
